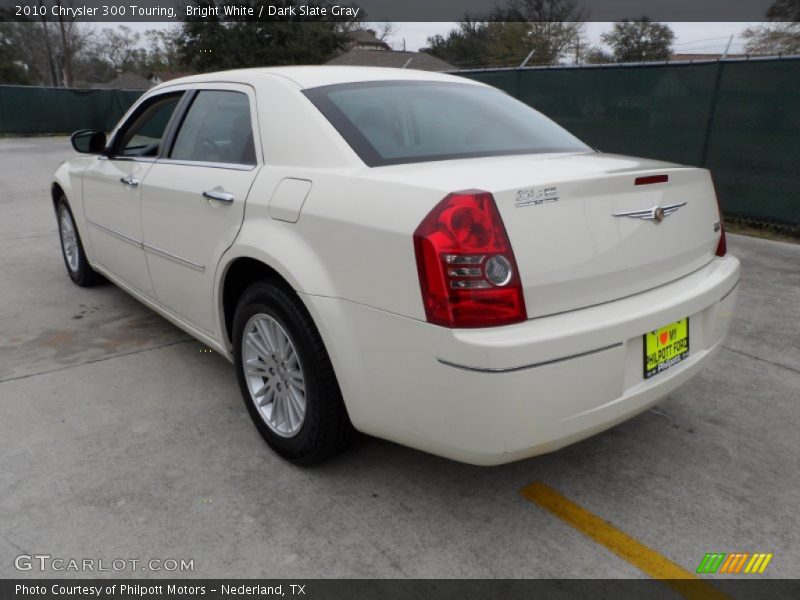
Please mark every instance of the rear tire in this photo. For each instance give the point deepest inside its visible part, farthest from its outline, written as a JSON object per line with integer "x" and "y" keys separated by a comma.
{"x": 286, "y": 377}
{"x": 78, "y": 267}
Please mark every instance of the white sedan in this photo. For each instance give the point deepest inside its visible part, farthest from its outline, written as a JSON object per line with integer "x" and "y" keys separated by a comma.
{"x": 416, "y": 256}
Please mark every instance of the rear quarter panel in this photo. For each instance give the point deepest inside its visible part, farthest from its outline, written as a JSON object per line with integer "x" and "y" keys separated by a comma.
{"x": 353, "y": 239}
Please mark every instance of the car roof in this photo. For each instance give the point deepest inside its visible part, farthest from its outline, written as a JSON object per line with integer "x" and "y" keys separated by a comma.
{"x": 316, "y": 76}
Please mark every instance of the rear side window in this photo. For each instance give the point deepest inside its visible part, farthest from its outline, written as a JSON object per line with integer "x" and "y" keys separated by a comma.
{"x": 395, "y": 122}
{"x": 217, "y": 128}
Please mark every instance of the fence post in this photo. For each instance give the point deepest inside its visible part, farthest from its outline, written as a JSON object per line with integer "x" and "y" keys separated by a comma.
{"x": 712, "y": 109}
{"x": 3, "y": 126}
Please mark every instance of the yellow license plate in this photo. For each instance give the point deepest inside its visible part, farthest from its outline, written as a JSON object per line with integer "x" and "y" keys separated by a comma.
{"x": 665, "y": 347}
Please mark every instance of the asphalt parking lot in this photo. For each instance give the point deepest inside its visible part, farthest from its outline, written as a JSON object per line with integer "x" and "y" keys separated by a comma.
{"x": 120, "y": 437}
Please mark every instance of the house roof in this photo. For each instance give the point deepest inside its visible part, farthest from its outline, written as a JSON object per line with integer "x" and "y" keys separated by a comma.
{"x": 703, "y": 56}
{"x": 169, "y": 75}
{"x": 390, "y": 58}
{"x": 125, "y": 81}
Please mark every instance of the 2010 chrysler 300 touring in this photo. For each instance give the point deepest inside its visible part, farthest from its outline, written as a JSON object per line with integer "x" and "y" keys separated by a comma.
{"x": 412, "y": 255}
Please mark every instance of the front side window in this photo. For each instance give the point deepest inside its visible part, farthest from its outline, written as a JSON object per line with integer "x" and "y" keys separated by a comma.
{"x": 217, "y": 128}
{"x": 395, "y": 122}
{"x": 143, "y": 137}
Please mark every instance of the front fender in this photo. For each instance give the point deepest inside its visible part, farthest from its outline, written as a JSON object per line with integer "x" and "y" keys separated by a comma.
{"x": 69, "y": 177}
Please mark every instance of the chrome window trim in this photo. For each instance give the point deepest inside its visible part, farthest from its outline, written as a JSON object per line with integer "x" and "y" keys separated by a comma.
{"x": 189, "y": 89}
{"x": 211, "y": 165}
{"x": 144, "y": 159}
{"x": 494, "y": 370}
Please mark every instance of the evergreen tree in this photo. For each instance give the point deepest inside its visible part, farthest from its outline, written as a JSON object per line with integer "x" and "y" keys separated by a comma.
{"x": 639, "y": 40}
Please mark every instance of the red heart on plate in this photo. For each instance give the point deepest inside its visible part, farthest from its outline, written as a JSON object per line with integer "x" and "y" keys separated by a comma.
{"x": 664, "y": 336}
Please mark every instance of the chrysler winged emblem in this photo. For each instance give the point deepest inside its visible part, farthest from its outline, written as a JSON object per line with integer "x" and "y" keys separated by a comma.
{"x": 657, "y": 213}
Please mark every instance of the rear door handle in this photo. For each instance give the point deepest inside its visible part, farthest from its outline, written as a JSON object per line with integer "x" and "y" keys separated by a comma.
{"x": 129, "y": 180}
{"x": 219, "y": 196}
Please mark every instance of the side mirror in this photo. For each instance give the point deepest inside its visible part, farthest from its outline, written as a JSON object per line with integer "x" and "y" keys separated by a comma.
{"x": 89, "y": 141}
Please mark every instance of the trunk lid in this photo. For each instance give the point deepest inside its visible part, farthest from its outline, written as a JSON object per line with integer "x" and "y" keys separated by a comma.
{"x": 571, "y": 250}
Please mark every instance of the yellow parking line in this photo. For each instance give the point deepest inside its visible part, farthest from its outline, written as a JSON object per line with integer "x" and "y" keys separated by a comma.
{"x": 640, "y": 556}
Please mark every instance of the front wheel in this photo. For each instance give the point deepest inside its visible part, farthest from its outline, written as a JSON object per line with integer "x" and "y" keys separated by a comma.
{"x": 78, "y": 268}
{"x": 286, "y": 377}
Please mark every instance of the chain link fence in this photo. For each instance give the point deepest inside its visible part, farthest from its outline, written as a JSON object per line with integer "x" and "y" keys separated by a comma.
{"x": 741, "y": 119}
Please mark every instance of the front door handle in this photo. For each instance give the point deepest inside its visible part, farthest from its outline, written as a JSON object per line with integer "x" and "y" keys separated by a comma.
{"x": 218, "y": 195}
{"x": 129, "y": 180}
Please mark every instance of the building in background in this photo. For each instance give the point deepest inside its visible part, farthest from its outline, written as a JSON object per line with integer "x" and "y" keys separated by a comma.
{"x": 125, "y": 81}
{"x": 391, "y": 58}
{"x": 365, "y": 39}
{"x": 157, "y": 77}
{"x": 704, "y": 56}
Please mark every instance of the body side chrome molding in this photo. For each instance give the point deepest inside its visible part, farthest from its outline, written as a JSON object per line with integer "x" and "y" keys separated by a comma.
{"x": 115, "y": 233}
{"x": 174, "y": 258}
{"x": 148, "y": 247}
{"x": 530, "y": 366}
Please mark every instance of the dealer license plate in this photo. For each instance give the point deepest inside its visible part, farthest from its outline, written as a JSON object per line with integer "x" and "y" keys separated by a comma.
{"x": 665, "y": 347}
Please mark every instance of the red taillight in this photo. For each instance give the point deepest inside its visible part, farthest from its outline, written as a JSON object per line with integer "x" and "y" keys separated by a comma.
{"x": 722, "y": 245}
{"x": 466, "y": 267}
{"x": 651, "y": 179}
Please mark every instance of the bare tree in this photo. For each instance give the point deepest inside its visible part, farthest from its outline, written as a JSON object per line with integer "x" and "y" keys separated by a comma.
{"x": 781, "y": 36}
{"x": 119, "y": 46}
{"x": 163, "y": 51}
{"x": 34, "y": 46}
{"x": 522, "y": 31}
{"x": 48, "y": 46}
{"x": 554, "y": 27}
{"x": 60, "y": 44}
{"x": 775, "y": 38}
{"x": 383, "y": 31}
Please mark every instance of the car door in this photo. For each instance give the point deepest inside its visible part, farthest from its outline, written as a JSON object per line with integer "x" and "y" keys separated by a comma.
{"x": 193, "y": 198}
{"x": 112, "y": 194}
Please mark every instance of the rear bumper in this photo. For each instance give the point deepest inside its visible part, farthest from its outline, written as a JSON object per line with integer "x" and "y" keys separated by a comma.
{"x": 490, "y": 396}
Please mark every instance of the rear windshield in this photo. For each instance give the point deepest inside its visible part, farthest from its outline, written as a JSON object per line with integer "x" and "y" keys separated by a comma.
{"x": 396, "y": 122}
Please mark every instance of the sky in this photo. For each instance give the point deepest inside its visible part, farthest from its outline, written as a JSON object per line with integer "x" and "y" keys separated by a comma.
{"x": 702, "y": 38}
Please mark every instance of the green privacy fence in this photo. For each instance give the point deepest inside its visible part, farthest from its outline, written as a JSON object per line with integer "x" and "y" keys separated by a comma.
{"x": 26, "y": 110}
{"x": 741, "y": 119}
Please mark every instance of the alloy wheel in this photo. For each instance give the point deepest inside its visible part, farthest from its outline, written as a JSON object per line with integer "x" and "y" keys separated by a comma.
{"x": 69, "y": 240}
{"x": 274, "y": 375}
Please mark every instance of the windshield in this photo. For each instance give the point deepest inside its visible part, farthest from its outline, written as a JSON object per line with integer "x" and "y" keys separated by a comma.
{"x": 396, "y": 122}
